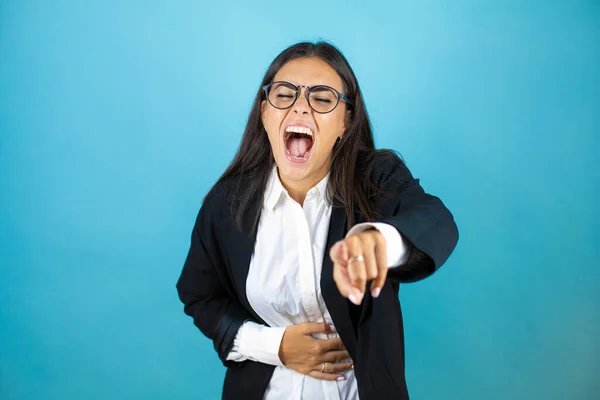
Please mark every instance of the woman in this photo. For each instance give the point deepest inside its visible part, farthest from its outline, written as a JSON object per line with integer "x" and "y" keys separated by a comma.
{"x": 299, "y": 248}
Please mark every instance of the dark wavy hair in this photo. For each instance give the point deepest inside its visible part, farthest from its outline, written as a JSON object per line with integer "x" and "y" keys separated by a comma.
{"x": 347, "y": 185}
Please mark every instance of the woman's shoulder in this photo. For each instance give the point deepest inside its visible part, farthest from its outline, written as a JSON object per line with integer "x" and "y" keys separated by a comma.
{"x": 232, "y": 190}
{"x": 216, "y": 204}
{"x": 381, "y": 166}
{"x": 222, "y": 191}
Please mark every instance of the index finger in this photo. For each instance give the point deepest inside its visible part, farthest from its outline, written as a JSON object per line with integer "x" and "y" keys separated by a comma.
{"x": 331, "y": 344}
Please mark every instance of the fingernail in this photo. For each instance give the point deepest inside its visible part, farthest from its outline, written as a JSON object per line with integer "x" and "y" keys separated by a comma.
{"x": 375, "y": 293}
{"x": 356, "y": 298}
{"x": 353, "y": 299}
{"x": 341, "y": 378}
{"x": 332, "y": 328}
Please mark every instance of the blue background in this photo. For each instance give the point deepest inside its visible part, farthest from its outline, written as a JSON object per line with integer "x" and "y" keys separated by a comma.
{"x": 117, "y": 116}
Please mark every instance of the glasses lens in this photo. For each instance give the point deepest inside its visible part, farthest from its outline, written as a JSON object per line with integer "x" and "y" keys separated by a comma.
{"x": 323, "y": 99}
{"x": 282, "y": 95}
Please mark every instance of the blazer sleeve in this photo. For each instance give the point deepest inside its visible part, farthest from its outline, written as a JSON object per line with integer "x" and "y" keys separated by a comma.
{"x": 422, "y": 220}
{"x": 205, "y": 288}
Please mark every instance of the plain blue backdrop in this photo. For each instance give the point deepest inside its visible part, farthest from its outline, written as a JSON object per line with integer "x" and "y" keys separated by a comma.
{"x": 117, "y": 116}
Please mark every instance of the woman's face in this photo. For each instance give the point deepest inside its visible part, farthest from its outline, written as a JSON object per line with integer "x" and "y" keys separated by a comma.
{"x": 302, "y": 139}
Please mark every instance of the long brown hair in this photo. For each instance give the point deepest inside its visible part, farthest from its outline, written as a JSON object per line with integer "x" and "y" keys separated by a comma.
{"x": 347, "y": 185}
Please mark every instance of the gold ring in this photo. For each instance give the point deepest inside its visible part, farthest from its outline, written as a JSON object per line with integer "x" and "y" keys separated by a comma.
{"x": 323, "y": 367}
{"x": 358, "y": 258}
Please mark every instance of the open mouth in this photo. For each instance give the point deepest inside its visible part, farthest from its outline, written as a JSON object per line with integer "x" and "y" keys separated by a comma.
{"x": 299, "y": 141}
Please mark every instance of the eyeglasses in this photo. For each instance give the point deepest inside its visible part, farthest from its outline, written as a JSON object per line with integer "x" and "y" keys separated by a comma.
{"x": 321, "y": 98}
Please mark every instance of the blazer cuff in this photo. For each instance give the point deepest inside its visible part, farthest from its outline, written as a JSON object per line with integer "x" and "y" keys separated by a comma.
{"x": 397, "y": 250}
{"x": 257, "y": 343}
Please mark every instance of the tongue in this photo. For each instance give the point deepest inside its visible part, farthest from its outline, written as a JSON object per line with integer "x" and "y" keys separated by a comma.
{"x": 298, "y": 146}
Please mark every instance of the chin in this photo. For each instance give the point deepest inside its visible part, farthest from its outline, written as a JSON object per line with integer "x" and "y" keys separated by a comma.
{"x": 293, "y": 172}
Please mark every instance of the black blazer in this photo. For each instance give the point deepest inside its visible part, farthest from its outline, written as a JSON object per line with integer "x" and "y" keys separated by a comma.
{"x": 212, "y": 285}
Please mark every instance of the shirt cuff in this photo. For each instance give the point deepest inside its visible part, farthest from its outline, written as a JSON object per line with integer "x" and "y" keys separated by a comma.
{"x": 397, "y": 251}
{"x": 257, "y": 343}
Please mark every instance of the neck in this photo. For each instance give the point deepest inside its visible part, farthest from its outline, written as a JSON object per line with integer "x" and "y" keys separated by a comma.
{"x": 298, "y": 189}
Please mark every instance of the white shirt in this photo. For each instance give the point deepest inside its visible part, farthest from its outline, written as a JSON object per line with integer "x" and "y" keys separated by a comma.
{"x": 283, "y": 286}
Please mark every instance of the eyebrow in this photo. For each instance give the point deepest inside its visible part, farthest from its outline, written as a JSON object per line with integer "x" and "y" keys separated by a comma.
{"x": 319, "y": 84}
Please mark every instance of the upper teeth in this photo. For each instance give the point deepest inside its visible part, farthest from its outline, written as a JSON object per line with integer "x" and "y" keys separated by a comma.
{"x": 299, "y": 129}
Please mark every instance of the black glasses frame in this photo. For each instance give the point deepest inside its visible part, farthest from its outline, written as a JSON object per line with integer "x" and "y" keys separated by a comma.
{"x": 307, "y": 94}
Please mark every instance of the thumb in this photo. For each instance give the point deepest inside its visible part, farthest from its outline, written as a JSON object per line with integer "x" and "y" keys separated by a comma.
{"x": 317, "y": 327}
{"x": 339, "y": 253}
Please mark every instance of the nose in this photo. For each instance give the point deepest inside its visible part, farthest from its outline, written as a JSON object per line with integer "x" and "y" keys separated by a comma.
{"x": 301, "y": 105}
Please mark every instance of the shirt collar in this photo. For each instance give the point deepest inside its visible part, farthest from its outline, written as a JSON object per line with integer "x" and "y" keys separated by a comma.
{"x": 321, "y": 189}
{"x": 275, "y": 190}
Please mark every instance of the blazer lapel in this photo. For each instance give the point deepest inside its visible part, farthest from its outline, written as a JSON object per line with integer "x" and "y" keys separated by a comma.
{"x": 336, "y": 303}
{"x": 241, "y": 247}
